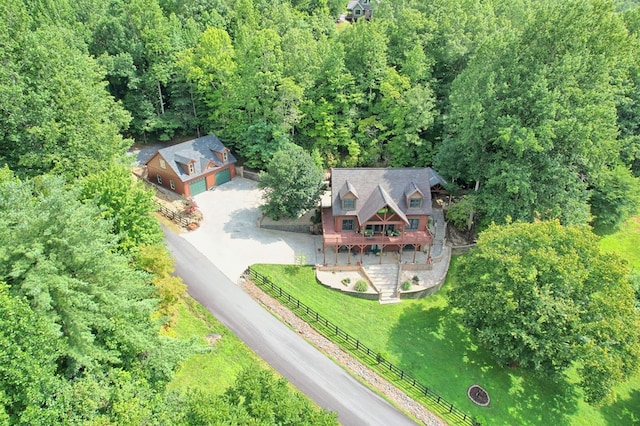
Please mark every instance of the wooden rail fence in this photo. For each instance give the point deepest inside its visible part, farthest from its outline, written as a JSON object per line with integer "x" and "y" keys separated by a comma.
{"x": 173, "y": 215}
{"x": 333, "y": 332}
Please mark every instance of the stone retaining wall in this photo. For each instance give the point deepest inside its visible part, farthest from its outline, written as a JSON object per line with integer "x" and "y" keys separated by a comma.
{"x": 462, "y": 249}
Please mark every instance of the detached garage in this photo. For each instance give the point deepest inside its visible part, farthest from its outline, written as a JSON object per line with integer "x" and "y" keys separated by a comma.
{"x": 192, "y": 167}
{"x": 198, "y": 186}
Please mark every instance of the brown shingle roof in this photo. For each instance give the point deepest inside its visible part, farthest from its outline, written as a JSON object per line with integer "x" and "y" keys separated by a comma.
{"x": 378, "y": 187}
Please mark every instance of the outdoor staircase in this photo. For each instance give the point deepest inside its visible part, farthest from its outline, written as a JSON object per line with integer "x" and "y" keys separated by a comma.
{"x": 385, "y": 278}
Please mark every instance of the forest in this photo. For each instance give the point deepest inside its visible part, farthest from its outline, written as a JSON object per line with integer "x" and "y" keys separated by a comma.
{"x": 530, "y": 109}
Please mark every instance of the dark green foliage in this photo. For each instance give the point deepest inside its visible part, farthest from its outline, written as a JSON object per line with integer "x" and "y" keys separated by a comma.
{"x": 406, "y": 285}
{"x": 292, "y": 184}
{"x": 616, "y": 197}
{"x": 541, "y": 296}
{"x": 56, "y": 114}
{"x": 460, "y": 213}
{"x": 29, "y": 349}
{"x": 534, "y": 117}
{"x": 59, "y": 255}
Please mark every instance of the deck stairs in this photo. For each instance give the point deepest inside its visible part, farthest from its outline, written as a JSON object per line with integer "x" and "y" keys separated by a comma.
{"x": 385, "y": 278}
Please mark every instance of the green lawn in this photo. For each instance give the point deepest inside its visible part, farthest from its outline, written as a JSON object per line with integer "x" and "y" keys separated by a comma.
{"x": 625, "y": 242}
{"x": 216, "y": 369}
{"x": 424, "y": 337}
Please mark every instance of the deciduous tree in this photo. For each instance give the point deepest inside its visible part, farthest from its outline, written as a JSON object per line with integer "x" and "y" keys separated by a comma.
{"x": 542, "y": 297}
{"x": 292, "y": 184}
{"x": 534, "y": 118}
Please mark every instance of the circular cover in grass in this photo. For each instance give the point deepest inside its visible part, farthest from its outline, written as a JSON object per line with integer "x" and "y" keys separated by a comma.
{"x": 478, "y": 395}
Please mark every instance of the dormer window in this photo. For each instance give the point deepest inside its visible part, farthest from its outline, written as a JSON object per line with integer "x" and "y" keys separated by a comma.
{"x": 348, "y": 204}
{"x": 415, "y": 202}
{"x": 191, "y": 169}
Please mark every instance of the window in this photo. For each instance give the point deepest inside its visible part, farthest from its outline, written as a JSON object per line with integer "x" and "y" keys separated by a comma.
{"x": 348, "y": 224}
{"x": 349, "y": 204}
{"x": 191, "y": 169}
{"x": 159, "y": 179}
{"x": 357, "y": 11}
{"x": 163, "y": 164}
{"x": 415, "y": 203}
{"x": 413, "y": 224}
{"x": 225, "y": 156}
{"x": 172, "y": 185}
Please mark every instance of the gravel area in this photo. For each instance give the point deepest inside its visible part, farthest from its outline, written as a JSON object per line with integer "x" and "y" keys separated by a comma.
{"x": 397, "y": 396}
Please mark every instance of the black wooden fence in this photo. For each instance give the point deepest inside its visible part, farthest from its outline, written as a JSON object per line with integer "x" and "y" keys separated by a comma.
{"x": 332, "y": 331}
{"x": 173, "y": 215}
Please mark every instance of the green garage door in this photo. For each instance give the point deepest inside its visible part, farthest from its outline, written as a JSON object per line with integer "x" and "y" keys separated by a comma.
{"x": 198, "y": 186}
{"x": 223, "y": 176}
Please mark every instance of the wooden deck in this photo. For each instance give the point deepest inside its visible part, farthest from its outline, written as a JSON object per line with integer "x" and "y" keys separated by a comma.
{"x": 331, "y": 238}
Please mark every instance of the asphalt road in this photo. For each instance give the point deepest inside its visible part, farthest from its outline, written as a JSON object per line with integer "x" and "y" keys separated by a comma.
{"x": 303, "y": 365}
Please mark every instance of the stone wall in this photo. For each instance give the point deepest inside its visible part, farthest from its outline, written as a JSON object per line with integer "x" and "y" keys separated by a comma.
{"x": 247, "y": 174}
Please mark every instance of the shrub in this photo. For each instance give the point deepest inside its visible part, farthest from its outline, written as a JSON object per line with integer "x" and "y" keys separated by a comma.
{"x": 346, "y": 281}
{"x": 416, "y": 278}
{"x": 362, "y": 286}
{"x": 406, "y": 285}
{"x": 189, "y": 206}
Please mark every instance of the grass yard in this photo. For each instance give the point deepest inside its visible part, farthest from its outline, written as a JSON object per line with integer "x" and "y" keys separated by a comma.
{"x": 625, "y": 242}
{"x": 425, "y": 338}
{"x": 215, "y": 370}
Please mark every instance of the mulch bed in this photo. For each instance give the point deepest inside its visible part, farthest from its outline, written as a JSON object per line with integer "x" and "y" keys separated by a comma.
{"x": 478, "y": 395}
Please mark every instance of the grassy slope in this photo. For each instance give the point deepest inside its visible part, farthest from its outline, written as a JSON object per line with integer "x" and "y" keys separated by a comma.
{"x": 424, "y": 337}
{"x": 214, "y": 370}
{"x": 625, "y": 242}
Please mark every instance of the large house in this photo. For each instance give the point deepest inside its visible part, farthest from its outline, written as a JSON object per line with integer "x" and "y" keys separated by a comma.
{"x": 357, "y": 9}
{"x": 376, "y": 209}
{"x": 192, "y": 167}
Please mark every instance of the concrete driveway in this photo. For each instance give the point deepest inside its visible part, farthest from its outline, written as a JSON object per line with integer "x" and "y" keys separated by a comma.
{"x": 230, "y": 238}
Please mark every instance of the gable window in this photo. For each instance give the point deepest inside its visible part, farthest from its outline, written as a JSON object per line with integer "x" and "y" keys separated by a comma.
{"x": 191, "y": 169}
{"x": 413, "y": 224}
{"x": 349, "y": 204}
{"x": 415, "y": 203}
{"x": 348, "y": 224}
{"x": 357, "y": 11}
{"x": 163, "y": 164}
{"x": 159, "y": 179}
{"x": 172, "y": 184}
{"x": 225, "y": 156}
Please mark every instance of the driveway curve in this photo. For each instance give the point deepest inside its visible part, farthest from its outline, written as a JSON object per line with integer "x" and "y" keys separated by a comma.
{"x": 230, "y": 238}
{"x": 304, "y": 366}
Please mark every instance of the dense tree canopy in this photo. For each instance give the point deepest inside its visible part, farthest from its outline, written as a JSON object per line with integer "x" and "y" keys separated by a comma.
{"x": 541, "y": 296}
{"x": 534, "y": 101}
{"x": 533, "y": 105}
{"x": 534, "y": 115}
{"x": 58, "y": 255}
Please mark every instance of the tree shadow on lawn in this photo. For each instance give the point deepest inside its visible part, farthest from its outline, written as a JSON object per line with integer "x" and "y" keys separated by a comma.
{"x": 432, "y": 346}
{"x": 623, "y": 411}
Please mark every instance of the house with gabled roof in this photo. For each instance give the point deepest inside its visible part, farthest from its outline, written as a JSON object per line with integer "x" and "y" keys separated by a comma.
{"x": 378, "y": 209}
{"x": 192, "y": 167}
{"x": 357, "y": 9}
